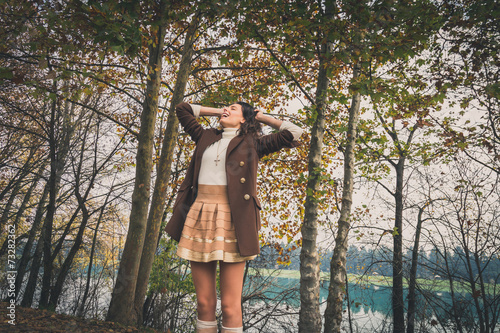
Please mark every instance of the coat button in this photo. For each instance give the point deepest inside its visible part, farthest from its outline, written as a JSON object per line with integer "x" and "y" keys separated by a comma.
{"x": 242, "y": 163}
{"x": 243, "y": 180}
{"x": 247, "y": 197}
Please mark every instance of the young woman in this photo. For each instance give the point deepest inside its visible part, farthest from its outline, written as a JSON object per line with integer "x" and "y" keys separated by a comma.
{"x": 216, "y": 213}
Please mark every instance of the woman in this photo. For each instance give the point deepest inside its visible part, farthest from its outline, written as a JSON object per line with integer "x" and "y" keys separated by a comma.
{"x": 216, "y": 213}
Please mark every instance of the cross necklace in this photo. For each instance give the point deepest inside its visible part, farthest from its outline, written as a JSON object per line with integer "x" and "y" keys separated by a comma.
{"x": 217, "y": 159}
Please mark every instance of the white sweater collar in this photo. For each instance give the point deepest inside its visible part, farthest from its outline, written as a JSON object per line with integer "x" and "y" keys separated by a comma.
{"x": 230, "y": 133}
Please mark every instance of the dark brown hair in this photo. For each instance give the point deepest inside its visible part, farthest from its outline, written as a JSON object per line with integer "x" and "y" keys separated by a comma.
{"x": 251, "y": 125}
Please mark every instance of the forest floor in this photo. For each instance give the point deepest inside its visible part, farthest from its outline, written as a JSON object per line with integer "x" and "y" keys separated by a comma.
{"x": 35, "y": 320}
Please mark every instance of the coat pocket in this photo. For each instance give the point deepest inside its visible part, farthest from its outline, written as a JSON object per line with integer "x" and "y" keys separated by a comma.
{"x": 258, "y": 208}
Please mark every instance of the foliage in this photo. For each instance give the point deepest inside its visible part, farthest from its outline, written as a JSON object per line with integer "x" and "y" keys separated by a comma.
{"x": 73, "y": 77}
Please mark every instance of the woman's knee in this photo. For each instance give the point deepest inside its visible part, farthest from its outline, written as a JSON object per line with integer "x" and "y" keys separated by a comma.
{"x": 231, "y": 308}
{"x": 206, "y": 304}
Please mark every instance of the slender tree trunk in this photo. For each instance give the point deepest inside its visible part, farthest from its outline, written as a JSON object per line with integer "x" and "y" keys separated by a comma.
{"x": 412, "y": 297}
{"x": 46, "y": 235}
{"x": 338, "y": 274}
{"x": 472, "y": 281}
{"x": 157, "y": 208}
{"x": 23, "y": 263}
{"x": 81, "y": 309}
{"x": 13, "y": 182}
{"x": 456, "y": 311}
{"x": 59, "y": 141}
{"x": 309, "y": 315}
{"x": 465, "y": 234}
{"x": 398, "y": 310}
{"x": 18, "y": 185}
{"x": 68, "y": 261}
{"x": 19, "y": 215}
{"x": 483, "y": 295}
{"x": 29, "y": 291}
{"x": 122, "y": 300}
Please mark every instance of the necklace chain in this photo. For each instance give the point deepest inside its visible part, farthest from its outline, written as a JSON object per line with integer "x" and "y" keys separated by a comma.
{"x": 217, "y": 159}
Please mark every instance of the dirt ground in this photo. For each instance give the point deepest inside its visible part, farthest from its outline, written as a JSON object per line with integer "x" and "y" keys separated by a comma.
{"x": 34, "y": 320}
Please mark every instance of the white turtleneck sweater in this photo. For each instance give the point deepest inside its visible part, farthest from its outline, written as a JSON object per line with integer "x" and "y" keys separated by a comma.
{"x": 213, "y": 161}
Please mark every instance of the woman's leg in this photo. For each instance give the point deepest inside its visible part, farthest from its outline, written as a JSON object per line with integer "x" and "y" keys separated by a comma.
{"x": 231, "y": 288}
{"x": 203, "y": 274}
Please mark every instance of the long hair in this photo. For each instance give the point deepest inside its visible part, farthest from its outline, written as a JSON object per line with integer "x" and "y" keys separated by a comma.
{"x": 250, "y": 126}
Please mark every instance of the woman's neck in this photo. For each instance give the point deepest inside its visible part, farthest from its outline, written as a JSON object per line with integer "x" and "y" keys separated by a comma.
{"x": 229, "y": 132}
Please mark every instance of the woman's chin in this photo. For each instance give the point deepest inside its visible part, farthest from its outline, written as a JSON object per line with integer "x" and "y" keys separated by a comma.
{"x": 226, "y": 124}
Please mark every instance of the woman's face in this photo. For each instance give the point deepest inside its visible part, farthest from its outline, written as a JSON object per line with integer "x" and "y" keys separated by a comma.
{"x": 232, "y": 116}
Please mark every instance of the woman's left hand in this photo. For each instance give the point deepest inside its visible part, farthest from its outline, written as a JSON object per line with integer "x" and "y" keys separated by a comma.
{"x": 259, "y": 115}
{"x": 267, "y": 120}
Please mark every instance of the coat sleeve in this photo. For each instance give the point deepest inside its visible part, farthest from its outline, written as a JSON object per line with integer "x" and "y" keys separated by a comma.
{"x": 271, "y": 143}
{"x": 188, "y": 121}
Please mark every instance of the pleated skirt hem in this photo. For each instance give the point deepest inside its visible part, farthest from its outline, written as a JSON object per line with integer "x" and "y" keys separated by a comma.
{"x": 208, "y": 233}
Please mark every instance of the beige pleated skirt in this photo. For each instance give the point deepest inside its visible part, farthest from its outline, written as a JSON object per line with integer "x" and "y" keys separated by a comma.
{"x": 208, "y": 233}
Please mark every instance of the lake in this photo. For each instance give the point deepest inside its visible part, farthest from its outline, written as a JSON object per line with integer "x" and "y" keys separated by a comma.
{"x": 370, "y": 305}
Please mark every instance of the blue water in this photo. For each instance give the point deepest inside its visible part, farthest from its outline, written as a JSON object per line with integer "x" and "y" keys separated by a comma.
{"x": 370, "y": 305}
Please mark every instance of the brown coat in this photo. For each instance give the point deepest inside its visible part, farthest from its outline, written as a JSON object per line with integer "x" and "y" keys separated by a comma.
{"x": 242, "y": 156}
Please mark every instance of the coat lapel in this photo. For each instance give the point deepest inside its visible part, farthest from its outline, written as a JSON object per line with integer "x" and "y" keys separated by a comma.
{"x": 203, "y": 144}
{"x": 233, "y": 144}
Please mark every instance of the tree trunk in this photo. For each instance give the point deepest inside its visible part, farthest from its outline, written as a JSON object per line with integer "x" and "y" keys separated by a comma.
{"x": 470, "y": 271}
{"x": 59, "y": 147}
{"x": 19, "y": 214}
{"x": 29, "y": 291}
{"x": 15, "y": 181}
{"x": 81, "y": 309}
{"x": 46, "y": 235}
{"x": 58, "y": 287}
{"x": 23, "y": 263}
{"x": 157, "y": 208}
{"x": 309, "y": 315}
{"x": 485, "y": 303}
{"x": 398, "y": 310}
{"x": 338, "y": 274}
{"x": 122, "y": 300}
{"x": 457, "y": 313}
{"x": 17, "y": 186}
{"x": 412, "y": 297}
{"x": 68, "y": 261}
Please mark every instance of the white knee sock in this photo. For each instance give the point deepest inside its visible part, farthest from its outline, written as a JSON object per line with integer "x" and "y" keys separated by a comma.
{"x": 206, "y": 326}
{"x": 232, "y": 330}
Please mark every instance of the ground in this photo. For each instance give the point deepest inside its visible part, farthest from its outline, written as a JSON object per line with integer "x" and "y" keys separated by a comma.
{"x": 34, "y": 320}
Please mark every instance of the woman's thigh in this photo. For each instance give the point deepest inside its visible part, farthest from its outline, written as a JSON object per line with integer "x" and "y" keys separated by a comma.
{"x": 204, "y": 277}
{"x": 231, "y": 282}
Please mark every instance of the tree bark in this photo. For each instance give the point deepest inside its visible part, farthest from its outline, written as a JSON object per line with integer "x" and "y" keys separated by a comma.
{"x": 398, "y": 310}
{"x": 59, "y": 143}
{"x": 163, "y": 175}
{"x": 81, "y": 199}
{"x": 17, "y": 186}
{"x": 19, "y": 214}
{"x": 35, "y": 265}
{"x": 46, "y": 235}
{"x": 338, "y": 274}
{"x": 81, "y": 308}
{"x": 309, "y": 315}
{"x": 29, "y": 291}
{"x": 412, "y": 299}
{"x": 122, "y": 300}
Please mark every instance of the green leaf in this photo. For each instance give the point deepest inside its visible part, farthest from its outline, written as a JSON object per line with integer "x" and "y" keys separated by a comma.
{"x": 6, "y": 73}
